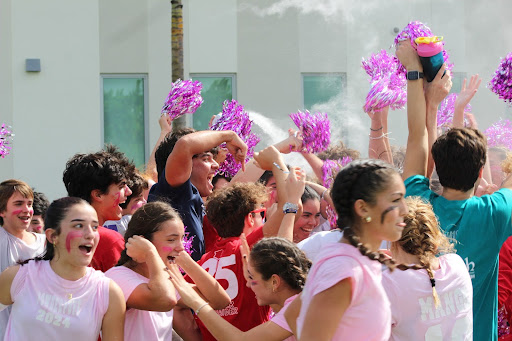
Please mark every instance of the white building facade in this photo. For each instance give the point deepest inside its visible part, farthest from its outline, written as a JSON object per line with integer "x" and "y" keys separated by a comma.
{"x": 105, "y": 68}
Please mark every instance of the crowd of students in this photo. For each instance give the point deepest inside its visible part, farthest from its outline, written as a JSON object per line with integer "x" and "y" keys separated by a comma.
{"x": 181, "y": 251}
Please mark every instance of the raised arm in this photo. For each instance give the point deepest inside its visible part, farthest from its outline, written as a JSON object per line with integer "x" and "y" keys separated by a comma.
{"x": 165, "y": 128}
{"x": 179, "y": 164}
{"x": 270, "y": 159}
{"x": 252, "y": 172}
{"x": 294, "y": 187}
{"x": 417, "y": 145}
{"x": 463, "y": 98}
{"x": 378, "y": 145}
{"x": 435, "y": 92}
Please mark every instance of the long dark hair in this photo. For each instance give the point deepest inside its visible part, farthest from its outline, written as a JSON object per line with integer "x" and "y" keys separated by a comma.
{"x": 146, "y": 221}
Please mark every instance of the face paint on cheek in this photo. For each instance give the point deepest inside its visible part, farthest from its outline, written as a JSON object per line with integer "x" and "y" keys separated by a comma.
{"x": 118, "y": 199}
{"x": 16, "y": 212}
{"x": 72, "y": 235}
{"x": 386, "y": 211}
{"x": 167, "y": 248}
{"x": 253, "y": 283}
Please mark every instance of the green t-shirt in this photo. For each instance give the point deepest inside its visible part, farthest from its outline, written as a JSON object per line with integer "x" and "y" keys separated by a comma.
{"x": 478, "y": 226}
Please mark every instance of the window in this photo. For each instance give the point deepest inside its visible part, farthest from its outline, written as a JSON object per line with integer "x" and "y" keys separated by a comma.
{"x": 216, "y": 89}
{"x": 322, "y": 88}
{"x": 124, "y": 114}
{"x": 324, "y": 92}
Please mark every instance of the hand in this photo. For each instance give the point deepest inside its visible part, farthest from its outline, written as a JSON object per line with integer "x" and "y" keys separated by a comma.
{"x": 184, "y": 260}
{"x": 294, "y": 184}
{"x": 439, "y": 88}
{"x": 245, "y": 251}
{"x": 267, "y": 157}
{"x": 293, "y": 143}
{"x": 138, "y": 248}
{"x": 408, "y": 56}
{"x": 485, "y": 188}
{"x": 238, "y": 149}
{"x": 188, "y": 295}
{"x": 165, "y": 123}
{"x": 466, "y": 94}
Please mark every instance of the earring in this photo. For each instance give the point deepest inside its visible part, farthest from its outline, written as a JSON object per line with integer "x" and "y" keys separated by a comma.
{"x": 368, "y": 219}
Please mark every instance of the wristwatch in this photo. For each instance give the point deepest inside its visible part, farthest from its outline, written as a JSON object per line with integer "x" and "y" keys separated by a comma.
{"x": 414, "y": 75}
{"x": 290, "y": 208}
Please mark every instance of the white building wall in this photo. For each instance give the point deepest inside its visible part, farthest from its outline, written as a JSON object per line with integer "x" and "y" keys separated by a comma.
{"x": 56, "y": 113}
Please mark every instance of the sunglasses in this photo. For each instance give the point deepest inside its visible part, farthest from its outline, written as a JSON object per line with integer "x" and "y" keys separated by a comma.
{"x": 262, "y": 211}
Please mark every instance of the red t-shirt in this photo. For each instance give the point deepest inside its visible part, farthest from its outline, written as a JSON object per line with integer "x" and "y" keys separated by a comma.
{"x": 224, "y": 262}
{"x": 210, "y": 235}
{"x": 109, "y": 249}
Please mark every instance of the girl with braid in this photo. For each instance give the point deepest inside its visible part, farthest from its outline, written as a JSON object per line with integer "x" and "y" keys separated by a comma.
{"x": 276, "y": 271}
{"x": 343, "y": 298}
{"x": 434, "y": 303}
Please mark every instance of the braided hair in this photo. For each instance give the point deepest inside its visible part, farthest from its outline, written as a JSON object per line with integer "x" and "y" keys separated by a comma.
{"x": 362, "y": 179}
{"x": 422, "y": 237}
{"x": 280, "y": 256}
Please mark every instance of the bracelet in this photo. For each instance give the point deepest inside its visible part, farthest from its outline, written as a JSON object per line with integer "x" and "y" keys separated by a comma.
{"x": 376, "y": 129}
{"x": 201, "y": 307}
{"x": 323, "y": 194}
{"x": 277, "y": 166}
{"x": 378, "y": 137}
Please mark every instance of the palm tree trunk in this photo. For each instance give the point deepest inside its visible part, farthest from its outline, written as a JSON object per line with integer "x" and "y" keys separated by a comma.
{"x": 177, "y": 51}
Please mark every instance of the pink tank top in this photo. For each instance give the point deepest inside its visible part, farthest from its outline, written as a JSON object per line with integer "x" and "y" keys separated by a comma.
{"x": 48, "y": 307}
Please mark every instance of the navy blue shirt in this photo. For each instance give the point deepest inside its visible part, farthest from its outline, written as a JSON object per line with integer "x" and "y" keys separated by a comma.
{"x": 186, "y": 200}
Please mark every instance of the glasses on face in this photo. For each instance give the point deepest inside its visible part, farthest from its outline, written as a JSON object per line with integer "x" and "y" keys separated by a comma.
{"x": 262, "y": 211}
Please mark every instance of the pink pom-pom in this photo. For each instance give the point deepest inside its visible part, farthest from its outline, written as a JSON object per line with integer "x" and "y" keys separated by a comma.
{"x": 416, "y": 29}
{"x": 187, "y": 242}
{"x": 446, "y": 110}
{"x": 332, "y": 216}
{"x": 388, "y": 86}
{"x": 6, "y": 137}
{"x": 500, "y": 134}
{"x": 315, "y": 130}
{"x": 331, "y": 168}
{"x": 235, "y": 118}
{"x": 184, "y": 98}
{"x": 501, "y": 82}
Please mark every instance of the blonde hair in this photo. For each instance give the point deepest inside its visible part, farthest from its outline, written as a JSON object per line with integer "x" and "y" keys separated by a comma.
{"x": 422, "y": 237}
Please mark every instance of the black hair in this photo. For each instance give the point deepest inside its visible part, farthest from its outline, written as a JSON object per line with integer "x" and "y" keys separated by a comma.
{"x": 40, "y": 204}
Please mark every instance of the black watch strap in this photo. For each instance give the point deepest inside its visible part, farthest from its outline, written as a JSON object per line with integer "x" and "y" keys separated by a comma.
{"x": 414, "y": 75}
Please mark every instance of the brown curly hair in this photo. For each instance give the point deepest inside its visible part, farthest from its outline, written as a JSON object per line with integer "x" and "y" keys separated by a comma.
{"x": 227, "y": 208}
